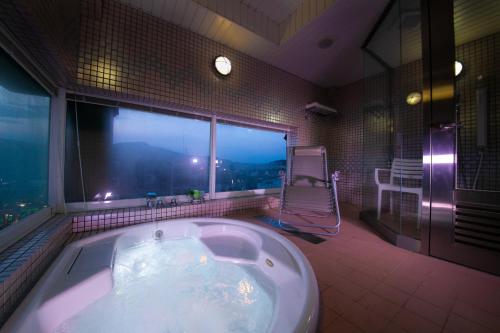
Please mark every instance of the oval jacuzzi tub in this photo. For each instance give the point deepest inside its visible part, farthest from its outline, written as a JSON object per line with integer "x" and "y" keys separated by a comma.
{"x": 187, "y": 275}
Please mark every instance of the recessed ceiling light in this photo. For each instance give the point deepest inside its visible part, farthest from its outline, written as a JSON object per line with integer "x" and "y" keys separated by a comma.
{"x": 222, "y": 65}
{"x": 414, "y": 98}
{"x": 325, "y": 43}
{"x": 458, "y": 68}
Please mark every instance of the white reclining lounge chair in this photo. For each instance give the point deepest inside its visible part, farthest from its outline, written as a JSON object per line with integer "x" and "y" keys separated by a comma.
{"x": 307, "y": 189}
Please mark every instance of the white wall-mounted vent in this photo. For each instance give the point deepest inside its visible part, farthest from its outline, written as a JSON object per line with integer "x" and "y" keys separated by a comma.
{"x": 320, "y": 108}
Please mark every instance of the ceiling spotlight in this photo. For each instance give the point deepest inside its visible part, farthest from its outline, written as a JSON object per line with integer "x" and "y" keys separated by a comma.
{"x": 458, "y": 68}
{"x": 414, "y": 98}
{"x": 222, "y": 65}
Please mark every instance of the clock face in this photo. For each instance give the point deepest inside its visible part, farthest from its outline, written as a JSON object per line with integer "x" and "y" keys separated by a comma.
{"x": 222, "y": 65}
{"x": 414, "y": 98}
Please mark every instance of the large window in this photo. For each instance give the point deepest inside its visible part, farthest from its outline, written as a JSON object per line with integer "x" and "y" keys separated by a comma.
{"x": 127, "y": 153}
{"x": 24, "y": 143}
{"x": 119, "y": 153}
{"x": 248, "y": 158}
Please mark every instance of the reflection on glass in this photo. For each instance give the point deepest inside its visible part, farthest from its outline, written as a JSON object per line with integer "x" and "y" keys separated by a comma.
{"x": 477, "y": 88}
{"x": 248, "y": 158}
{"x": 393, "y": 121}
{"x": 24, "y": 143}
{"x": 127, "y": 153}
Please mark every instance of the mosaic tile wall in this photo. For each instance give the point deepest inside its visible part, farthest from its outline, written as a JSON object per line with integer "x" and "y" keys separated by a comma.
{"x": 123, "y": 53}
{"x": 48, "y": 31}
{"x": 345, "y": 141}
{"x": 479, "y": 58}
{"x": 22, "y": 264}
{"x": 128, "y": 54}
{"x": 116, "y": 218}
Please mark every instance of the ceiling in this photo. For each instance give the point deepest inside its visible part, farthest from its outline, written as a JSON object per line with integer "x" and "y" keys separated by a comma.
{"x": 277, "y": 10}
{"x": 283, "y": 33}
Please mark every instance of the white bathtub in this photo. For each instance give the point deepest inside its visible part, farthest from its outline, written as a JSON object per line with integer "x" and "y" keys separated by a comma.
{"x": 83, "y": 273}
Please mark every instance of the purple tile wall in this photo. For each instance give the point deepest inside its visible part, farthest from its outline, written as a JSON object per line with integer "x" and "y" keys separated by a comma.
{"x": 47, "y": 30}
{"x": 345, "y": 141}
{"x": 128, "y": 54}
{"x": 123, "y": 53}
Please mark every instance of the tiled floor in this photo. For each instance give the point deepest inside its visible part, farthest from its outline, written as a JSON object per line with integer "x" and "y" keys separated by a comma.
{"x": 369, "y": 285}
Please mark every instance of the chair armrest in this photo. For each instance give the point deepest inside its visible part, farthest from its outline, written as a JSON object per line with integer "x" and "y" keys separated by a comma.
{"x": 377, "y": 174}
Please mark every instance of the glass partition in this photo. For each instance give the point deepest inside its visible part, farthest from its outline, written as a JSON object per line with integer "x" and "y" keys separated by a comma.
{"x": 393, "y": 121}
{"x": 477, "y": 87}
{"x": 24, "y": 143}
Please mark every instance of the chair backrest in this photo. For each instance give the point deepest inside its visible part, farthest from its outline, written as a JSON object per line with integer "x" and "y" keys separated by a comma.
{"x": 308, "y": 166}
{"x": 405, "y": 168}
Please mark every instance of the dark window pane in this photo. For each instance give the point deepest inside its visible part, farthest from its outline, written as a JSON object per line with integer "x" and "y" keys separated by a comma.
{"x": 24, "y": 143}
{"x": 248, "y": 158}
{"x": 128, "y": 153}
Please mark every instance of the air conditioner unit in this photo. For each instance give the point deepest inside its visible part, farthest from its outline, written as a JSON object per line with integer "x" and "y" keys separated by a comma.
{"x": 320, "y": 108}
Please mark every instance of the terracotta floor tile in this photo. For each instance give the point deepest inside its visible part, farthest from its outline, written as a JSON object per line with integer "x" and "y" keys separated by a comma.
{"x": 326, "y": 317}
{"x": 363, "y": 280}
{"x": 427, "y": 310}
{"x": 321, "y": 285}
{"x": 349, "y": 287}
{"x": 366, "y": 320}
{"x": 476, "y": 315}
{"x": 393, "y": 328}
{"x": 481, "y": 296}
{"x": 440, "y": 297}
{"x": 369, "y": 285}
{"x": 340, "y": 325}
{"x": 403, "y": 282}
{"x": 457, "y": 324}
{"x": 337, "y": 300}
{"x": 379, "y": 305}
{"x": 412, "y": 323}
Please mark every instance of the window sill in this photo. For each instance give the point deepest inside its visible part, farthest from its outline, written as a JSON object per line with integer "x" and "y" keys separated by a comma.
{"x": 13, "y": 233}
{"x": 24, "y": 262}
{"x": 76, "y": 207}
{"x": 124, "y": 216}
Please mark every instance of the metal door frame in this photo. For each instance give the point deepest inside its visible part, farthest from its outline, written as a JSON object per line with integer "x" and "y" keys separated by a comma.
{"x": 440, "y": 195}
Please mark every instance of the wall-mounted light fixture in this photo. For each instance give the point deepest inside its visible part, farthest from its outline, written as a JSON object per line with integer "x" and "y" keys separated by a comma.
{"x": 414, "y": 98}
{"x": 222, "y": 65}
{"x": 458, "y": 67}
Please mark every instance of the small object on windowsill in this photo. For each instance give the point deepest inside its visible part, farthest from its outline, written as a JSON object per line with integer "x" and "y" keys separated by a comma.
{"x": 151, "y": 199}
{"x": 159, "y": 203}
{"x": 197, "y": 196}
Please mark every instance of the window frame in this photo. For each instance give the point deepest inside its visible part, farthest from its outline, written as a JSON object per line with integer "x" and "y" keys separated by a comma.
{"x": 14, "y": 232}
{"x": 243, "y": 193}
{"x": 213, "y": 118}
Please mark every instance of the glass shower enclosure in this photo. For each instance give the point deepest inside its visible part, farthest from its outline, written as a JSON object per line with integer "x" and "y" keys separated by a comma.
{"x": 393, "y": 124}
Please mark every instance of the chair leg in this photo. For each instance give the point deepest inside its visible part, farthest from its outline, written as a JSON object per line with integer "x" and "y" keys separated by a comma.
{"x": 379, "y": 203}
{"x": 419, "y": 210}
{"x": 390, "y": 202}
